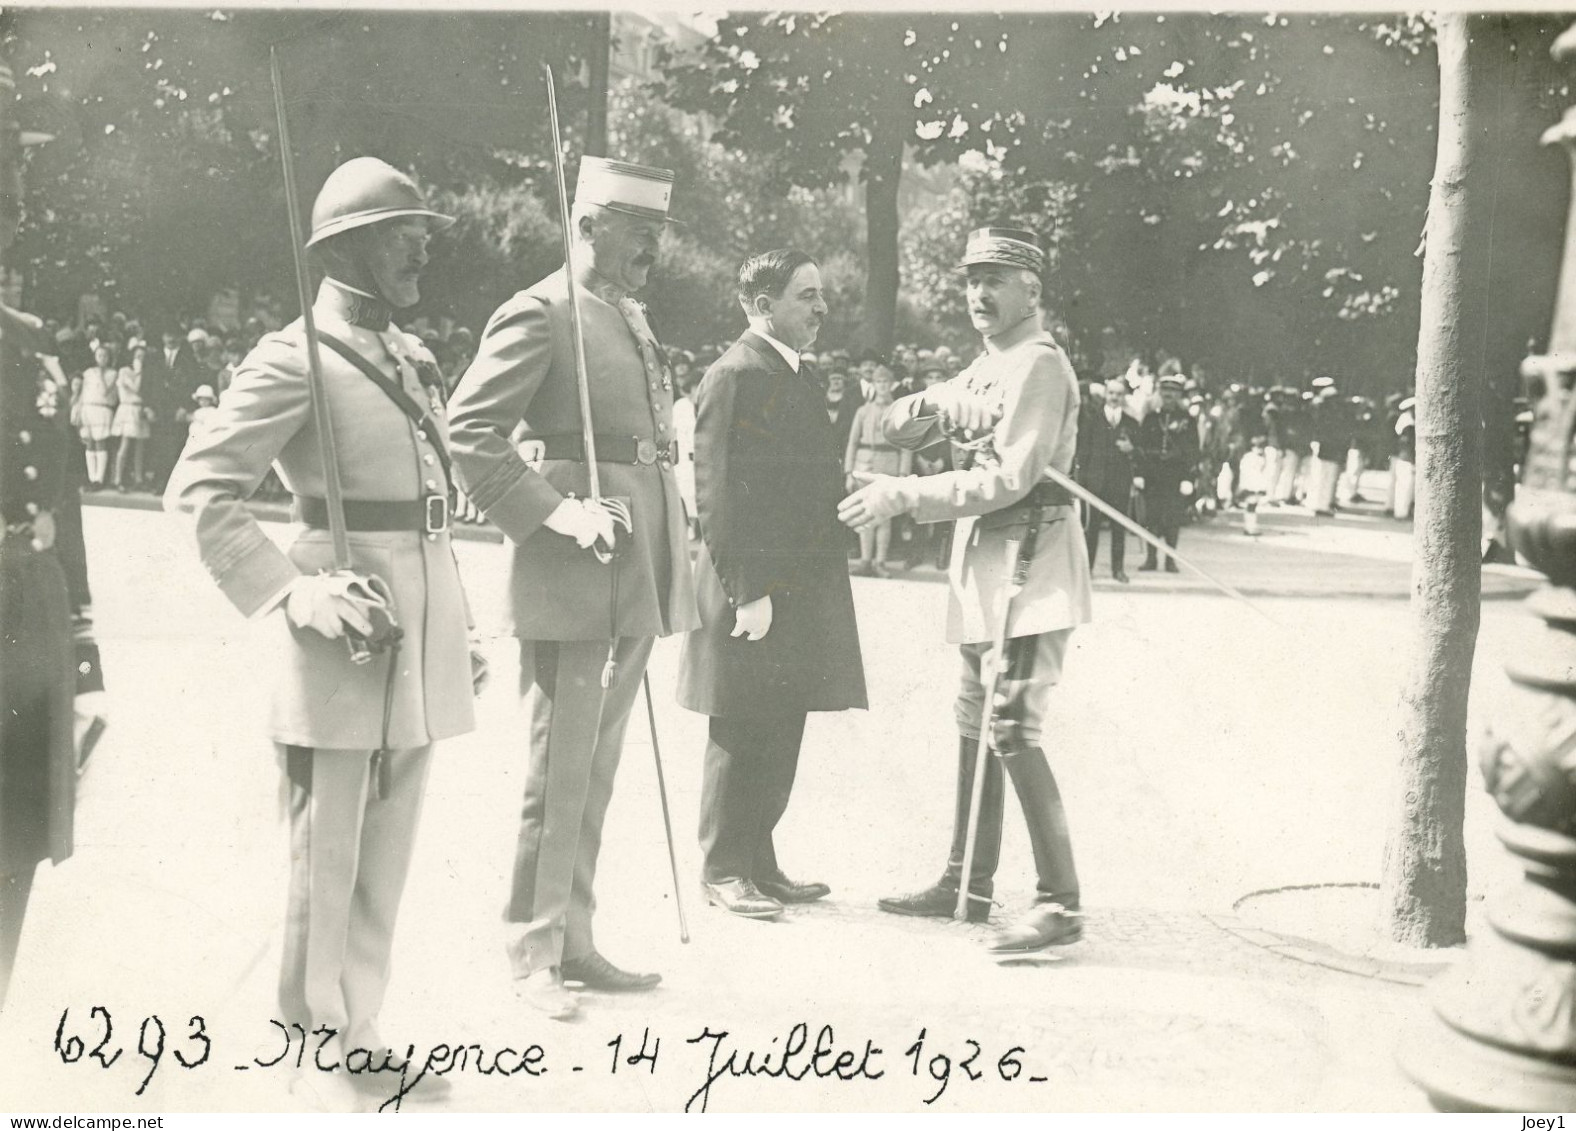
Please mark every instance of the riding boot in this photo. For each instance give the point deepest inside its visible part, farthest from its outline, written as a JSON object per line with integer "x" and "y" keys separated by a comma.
{"x": 987, "y": 840}
{"x": 1057, "y": 879}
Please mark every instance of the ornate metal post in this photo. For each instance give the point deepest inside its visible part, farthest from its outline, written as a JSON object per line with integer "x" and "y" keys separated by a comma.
{"x": 1502, "y": 1036}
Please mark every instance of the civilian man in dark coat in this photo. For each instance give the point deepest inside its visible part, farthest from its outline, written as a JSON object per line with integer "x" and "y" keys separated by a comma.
{"x": 171, "y": 374}
{"x": 777, "y": 637}
{"x": 1107, "y": 439}
{"x": 1169, "y": 439}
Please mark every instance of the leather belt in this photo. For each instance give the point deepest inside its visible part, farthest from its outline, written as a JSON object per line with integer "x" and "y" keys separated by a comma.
{"x": 427, "y": 515}
{"x": 610, "y": 448}
{"x": 1042, "y": 495}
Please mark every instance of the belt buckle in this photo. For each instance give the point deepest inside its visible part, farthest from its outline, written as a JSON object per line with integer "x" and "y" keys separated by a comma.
{"x": 435, "y": 513}
{"x": 645, "y": 451}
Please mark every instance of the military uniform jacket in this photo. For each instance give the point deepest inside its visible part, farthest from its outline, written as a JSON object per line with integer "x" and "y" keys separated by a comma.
{"x": 264, "y": 418}
{"x": 767, "y": 485}
{"x": 1033, "y": 382}
{"x": 1170, "y": 445}
{"x": 38, "y": 769}
{"x": 524, "y": 374}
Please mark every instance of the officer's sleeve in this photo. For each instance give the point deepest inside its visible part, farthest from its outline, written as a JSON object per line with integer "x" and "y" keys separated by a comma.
{"x": 267, "y": 403}
{"x": 1038, "y": 399}
{"x": 492, "y": 397}
{"x": 910, "y": 423}
{"x": 733, "y": 483}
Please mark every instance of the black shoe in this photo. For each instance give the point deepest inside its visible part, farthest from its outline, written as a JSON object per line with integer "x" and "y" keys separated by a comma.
{"x": 742, "y": 898}
{"x": 1120, "y": 576}
{"x": 1171, "y": 566}
{"x": 1148, "y": 567}
{"x": 1047, "y": 924}
{"x": 784, "y": 890}
{"x": 596, "y": 973}
{"x": 936, "y": 902}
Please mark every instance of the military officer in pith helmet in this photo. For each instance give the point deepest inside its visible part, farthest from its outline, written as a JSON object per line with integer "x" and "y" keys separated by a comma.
{"x": 355, "y": 738}
{"x": 37, "y": 761}
{"x": 1011, "y": 414}
{"x": 572, "y": 612}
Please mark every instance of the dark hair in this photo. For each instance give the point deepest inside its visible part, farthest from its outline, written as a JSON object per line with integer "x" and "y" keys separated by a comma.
{"x": 769, "y": 272}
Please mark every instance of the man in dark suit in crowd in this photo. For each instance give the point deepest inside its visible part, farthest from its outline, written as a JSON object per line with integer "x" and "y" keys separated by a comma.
{"x": 171, "y": 373}
{"x": 1169, "y": 439}
{"x": 1107, "y": 439}
{"x": 777, "y": 637}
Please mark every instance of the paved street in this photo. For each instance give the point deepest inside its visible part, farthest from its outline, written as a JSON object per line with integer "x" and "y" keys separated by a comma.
{"x": 1206, "y": 753}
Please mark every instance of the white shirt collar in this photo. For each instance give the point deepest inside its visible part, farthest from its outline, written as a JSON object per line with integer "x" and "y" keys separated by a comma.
{"x": 790, "y": 356}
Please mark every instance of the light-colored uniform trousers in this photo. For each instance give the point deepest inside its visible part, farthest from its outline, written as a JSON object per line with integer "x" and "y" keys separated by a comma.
{"x": 350, "y": 852}
{"x": 577, "y": 735}
{"x": 1019, "y": 702}
{"x": 1405, "y": 473}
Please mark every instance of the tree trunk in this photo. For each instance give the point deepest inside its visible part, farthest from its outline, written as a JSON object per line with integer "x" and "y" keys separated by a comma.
{"x": 883, "y": 172}
{"x": 597, "y": 83}
{"x": 1424, "y": 873}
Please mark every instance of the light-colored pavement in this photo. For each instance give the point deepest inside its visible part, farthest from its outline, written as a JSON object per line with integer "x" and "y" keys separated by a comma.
{"x": 1205, "y": 752}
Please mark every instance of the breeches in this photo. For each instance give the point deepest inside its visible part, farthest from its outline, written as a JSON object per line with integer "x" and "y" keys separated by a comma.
{"x": 1034, "y": 666}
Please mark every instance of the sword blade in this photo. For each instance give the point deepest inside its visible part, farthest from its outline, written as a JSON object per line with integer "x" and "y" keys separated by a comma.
{"x": 1078, "y": 490}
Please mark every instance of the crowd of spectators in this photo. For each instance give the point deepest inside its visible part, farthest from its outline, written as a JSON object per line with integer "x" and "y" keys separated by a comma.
{"x": 137, "y": 390}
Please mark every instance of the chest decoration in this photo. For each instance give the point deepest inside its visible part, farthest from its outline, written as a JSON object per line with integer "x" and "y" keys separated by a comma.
{"x": 985, "y": 380}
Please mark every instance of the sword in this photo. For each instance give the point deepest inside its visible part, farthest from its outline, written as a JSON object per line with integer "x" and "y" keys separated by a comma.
{"x": 1079, "y": 491}
{"x": 618, "y": 508}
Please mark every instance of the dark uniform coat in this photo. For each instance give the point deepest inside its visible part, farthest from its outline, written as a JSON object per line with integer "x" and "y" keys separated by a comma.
{"x": 767, "y": 485}
{"x": 38, "y": 769}
{"x": 524, "y": 374}
{"x": 265, "y": 419}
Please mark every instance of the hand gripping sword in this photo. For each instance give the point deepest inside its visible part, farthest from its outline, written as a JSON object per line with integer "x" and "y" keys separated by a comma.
{"x": 618, "y": 508}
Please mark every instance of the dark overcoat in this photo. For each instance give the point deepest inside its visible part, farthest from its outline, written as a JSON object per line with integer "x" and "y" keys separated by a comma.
{"x": 767, "y": 485}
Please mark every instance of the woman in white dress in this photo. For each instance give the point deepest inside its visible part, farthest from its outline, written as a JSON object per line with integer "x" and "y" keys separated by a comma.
{"x": 95, "y": 415}
{"x": 130, "y": 425}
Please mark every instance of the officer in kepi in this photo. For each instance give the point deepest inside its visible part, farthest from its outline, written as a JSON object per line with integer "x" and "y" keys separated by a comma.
{"x": 354, "y": 728}
{"x": 1010, "y": 415}
{"x": 579, "y": 619}
{"x": 38, "y": 766}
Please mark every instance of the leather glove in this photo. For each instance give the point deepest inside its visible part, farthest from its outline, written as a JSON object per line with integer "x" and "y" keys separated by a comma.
{"x": 582, "y": 520}
{"x": 329, "y": 602}
{"x": 753, "y": 620}
{"x": 882, "y": 497}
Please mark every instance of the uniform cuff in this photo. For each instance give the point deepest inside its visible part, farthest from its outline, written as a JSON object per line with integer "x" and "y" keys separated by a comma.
{"x": 258, "y": 581}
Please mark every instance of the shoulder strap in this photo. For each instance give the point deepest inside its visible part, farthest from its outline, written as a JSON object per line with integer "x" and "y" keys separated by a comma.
{"x": 402, "y": 400}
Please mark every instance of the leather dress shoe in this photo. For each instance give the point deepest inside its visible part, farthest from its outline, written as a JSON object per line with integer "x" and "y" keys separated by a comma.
{"x": 938, "y": 901}
{"x": 742, "y": 898}
{"x": 1120, "y": 577}
{"x": 1047, "y": 924}
{"x": 544, "y": 991}
{"x": 784, "y": 890}
{"x": 597, "y": 973}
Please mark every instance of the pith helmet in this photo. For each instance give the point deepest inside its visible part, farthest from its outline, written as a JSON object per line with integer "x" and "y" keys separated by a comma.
{"x": 365, "y": 191}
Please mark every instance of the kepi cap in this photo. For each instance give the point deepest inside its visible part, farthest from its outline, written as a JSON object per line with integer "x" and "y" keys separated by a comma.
{"x": 1008, "y": 247}
{"x": 620, "y": 186}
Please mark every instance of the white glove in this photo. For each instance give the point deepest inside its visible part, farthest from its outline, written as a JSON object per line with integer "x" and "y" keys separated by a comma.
{"x": 326, "y": 604}
{"x": 753, "y": 620}
{"x": 1138, "y": 482}
{"x": 1187, "y": 489}
{"x": 582, "y": 520}
{"x": 881, "y": 497}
